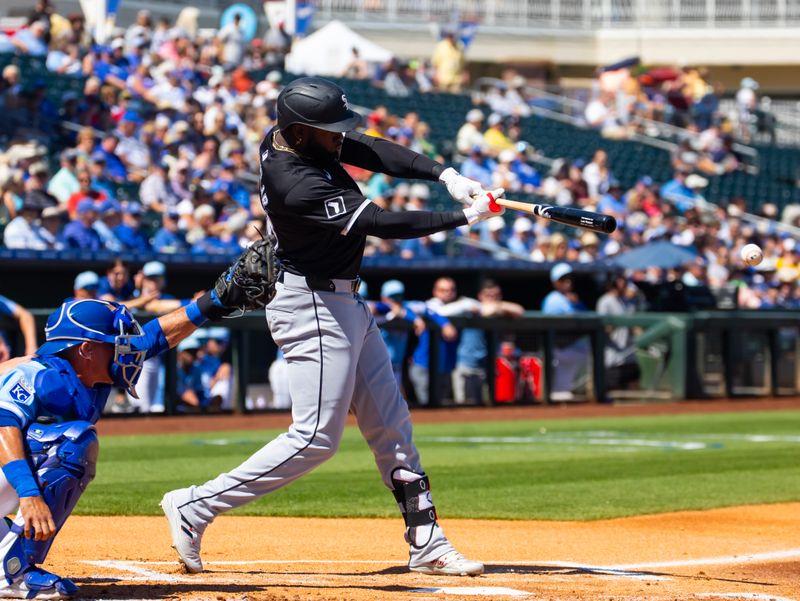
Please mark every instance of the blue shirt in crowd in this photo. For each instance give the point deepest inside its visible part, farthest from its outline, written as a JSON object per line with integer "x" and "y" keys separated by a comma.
{"x": 131, "y": 239}
{"x": 77, "y": 235}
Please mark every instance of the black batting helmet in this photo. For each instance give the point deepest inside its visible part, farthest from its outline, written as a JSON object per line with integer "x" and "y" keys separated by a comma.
{"x": 316, "y": 102}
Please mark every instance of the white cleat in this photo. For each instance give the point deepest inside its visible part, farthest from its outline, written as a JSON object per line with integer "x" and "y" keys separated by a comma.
{"x": 451, "y": 563}
{"x": 185, "y": 536}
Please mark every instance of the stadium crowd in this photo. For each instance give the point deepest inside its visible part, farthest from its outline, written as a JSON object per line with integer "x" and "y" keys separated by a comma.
{"x": 168, "y": 126}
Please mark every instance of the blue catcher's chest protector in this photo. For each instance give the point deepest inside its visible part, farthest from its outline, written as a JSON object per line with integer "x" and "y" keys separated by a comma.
{"x": 61, "y": 394}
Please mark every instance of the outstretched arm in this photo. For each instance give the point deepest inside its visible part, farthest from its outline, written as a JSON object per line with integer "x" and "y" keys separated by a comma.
{"x": 168, "y": 330}
{"x": 377, "y": 154}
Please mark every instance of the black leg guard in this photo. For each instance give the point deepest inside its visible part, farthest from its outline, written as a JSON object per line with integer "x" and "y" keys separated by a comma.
{"x": 412, "y": 493}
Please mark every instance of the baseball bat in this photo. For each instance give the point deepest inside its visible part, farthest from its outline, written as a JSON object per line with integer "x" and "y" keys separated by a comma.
{"x": 597, "y": 222}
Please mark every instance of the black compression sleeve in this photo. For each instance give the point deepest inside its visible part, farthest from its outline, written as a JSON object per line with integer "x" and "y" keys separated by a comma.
{"x": 377, "y": 154}
{"x": 374, "y": 221}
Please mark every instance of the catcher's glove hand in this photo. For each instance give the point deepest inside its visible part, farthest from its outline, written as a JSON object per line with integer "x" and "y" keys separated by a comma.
{"x": 249, "y": 283}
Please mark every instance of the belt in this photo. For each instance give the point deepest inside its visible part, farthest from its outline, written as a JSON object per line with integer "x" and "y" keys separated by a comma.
{"x": 319, "y": 284}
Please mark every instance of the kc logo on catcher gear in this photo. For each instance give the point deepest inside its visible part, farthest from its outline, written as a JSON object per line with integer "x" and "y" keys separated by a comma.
{"x": 334, "y": 207}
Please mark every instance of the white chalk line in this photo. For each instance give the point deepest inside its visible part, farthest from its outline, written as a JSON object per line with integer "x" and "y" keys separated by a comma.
{"x": 708, "y": 561}
{"x": 485, "y": 591}
{"x": 748, "y": 596}
{"x": 133, "y": 566}
{"x": 612, "y": 439}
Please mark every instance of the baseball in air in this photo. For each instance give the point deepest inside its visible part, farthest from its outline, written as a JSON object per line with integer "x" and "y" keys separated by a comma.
{"x": 752, "y": 254}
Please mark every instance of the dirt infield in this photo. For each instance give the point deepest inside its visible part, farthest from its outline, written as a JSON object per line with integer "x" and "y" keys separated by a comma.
{"x": 742, "y": 553}
{"x": 739, "y": 554}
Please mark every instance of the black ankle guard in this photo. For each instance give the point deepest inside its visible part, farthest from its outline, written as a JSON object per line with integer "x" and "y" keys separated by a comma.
{"x": 407, "y": 496}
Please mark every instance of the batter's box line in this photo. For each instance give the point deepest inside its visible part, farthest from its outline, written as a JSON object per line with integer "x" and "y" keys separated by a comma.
{"x": 724, "y": 560}
{"x": 742, "y": 596}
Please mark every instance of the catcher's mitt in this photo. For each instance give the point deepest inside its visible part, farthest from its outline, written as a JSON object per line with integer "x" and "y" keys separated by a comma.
{"x": 249, "y": 283}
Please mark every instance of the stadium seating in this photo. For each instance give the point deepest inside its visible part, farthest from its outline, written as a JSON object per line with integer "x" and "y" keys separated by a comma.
{"x": 33, "y": 70}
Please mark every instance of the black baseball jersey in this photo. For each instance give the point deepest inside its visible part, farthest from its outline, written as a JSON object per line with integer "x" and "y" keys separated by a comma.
{"x": 319, "y": 217}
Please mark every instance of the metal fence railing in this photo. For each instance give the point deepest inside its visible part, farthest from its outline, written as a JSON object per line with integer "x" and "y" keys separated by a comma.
{"x": 572, "y": 14}
{"x": 585, "y": 357}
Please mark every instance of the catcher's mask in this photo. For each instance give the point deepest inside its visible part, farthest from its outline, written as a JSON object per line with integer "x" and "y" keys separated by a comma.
{"x": 90, "y": 320}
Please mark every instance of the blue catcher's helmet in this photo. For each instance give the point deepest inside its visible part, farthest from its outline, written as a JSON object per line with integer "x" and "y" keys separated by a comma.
{"x": 90, "y": 320}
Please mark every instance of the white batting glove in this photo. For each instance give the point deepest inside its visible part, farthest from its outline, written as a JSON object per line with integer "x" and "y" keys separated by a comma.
{"x": 461, "y": 188}
{"x": 483, "y": 208}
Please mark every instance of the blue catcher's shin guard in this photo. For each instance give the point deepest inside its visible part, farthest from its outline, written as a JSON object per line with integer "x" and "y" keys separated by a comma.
{"x": 64, "y": 457}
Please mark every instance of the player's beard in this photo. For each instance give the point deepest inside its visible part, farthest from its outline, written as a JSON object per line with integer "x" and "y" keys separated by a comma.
{"x": 318, "y": 153}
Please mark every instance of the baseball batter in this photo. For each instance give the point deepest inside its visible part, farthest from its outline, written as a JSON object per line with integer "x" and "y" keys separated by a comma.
{"x": 337, "y": 361}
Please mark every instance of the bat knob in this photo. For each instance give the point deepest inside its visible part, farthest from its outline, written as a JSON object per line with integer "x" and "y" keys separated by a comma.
{"x": 493, "y": 206}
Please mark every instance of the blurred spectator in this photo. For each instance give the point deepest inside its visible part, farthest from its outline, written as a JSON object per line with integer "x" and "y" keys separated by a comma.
{"x": 154, "y": 284}
{"x": 52, "y": 221}
{"x": 448, "y": 63}
{"x": 226, "y": 185}
{"x": 210, "y": 237}
{"x": 129, "y": 232}
{"x": 87, "y": 190}
{"x": 597, "y": 174}
{"x": 27, "y": 326}
{"x": 33, "y": 40}
{"x": 25, "y": 230}
{"x": 612, "y": 203}
{"x": 65, "y": 182}
{"x": 504, "y": 175}
{"x": 115, "y": 169}
{"x": 233, "y": 41}
{"x": 746, "y": 103}
{"x": 150, "y": 387}
{"x": 478, "y": 167}
{"x": 495, "y": 138}
{"x": 117, "y": 286}
{"x": 109, "y": 218}
{"x": 393, "y": 306}
{"x": 277, "y": 44}
{"x": 216, "y": 375}
{"x": 169, "y": 238}
{"x": 469, "y": 135}
{"x": 521, "y": 241}
{"x": 590, "y": 248}
{"x": 620, "y": 361}
{"x": 79, "y": 234}
{"x": 132, "y": 152}
{"x": 571, "y": 355}
{"x": 86, "y": 285}
{"x": 191, "y": 398}
{"x": 357, "y": 67}
{"x": 469, "y": 376}
{"x": 444, "y": 302}
{"x": 155, "y": 192}
{"x": 528, "y": 177}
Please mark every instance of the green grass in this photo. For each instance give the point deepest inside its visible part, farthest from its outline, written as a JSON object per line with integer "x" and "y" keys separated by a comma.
{"x": 505, "y": 470}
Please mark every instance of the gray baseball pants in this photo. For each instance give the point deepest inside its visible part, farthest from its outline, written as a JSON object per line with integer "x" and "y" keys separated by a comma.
{"x": 337, "y": 361}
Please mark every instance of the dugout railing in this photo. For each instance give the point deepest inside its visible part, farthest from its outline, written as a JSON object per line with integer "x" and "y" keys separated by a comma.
{"x": 676, "y": 356}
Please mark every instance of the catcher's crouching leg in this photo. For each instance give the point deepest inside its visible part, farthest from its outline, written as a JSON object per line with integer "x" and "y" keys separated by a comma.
{"x": 429, "y": 550}
{"x": 63, "y": 457}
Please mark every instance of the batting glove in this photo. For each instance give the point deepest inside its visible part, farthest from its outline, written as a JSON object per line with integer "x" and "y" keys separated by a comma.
{"x": 461, "y": 188}
{"x": 483, "y": 207}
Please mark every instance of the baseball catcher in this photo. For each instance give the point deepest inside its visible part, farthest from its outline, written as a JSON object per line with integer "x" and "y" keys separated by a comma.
{"x": 49, "y": 403}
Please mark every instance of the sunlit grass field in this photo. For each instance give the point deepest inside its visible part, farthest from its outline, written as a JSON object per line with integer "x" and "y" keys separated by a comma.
{"x": 551, "y": 469}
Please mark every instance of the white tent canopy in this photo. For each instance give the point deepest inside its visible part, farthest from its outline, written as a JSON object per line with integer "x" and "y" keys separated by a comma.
{"x": 328, "y": 51}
